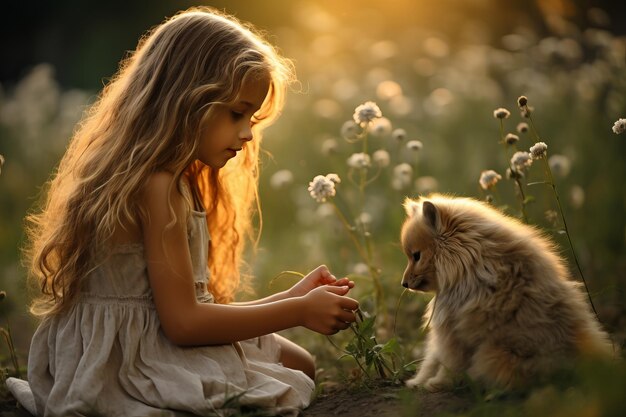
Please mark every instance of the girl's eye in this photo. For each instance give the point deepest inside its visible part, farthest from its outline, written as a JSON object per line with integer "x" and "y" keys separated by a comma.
{"x": 236, "y": 115}
{"x": 416, "y": 256}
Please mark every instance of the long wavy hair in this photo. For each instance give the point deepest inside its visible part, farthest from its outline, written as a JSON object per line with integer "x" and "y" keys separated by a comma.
{"x": 148, "y": 119}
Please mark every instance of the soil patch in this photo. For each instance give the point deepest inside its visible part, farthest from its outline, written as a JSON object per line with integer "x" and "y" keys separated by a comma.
{"x": 385, "y": 399}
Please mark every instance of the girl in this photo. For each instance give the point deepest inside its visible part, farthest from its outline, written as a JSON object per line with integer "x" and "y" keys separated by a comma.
{"x": 132, "y": 324}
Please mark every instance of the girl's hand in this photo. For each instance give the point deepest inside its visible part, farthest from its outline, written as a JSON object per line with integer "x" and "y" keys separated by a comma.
{"x": 319, "y": 276}
{"x": 326, "y": 310}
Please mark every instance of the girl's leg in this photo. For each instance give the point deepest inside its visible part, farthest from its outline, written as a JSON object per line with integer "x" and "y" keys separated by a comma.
{"x": 296, "y": 357}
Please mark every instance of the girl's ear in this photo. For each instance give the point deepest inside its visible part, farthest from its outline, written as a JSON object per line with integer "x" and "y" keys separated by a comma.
{"x": 431, "y": 215}
{"x": 411, "y": 207}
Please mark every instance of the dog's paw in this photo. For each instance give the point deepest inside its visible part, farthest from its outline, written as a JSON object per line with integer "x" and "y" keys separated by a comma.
{"x": 413, "y": 382}
{"x": 438, "y": 384}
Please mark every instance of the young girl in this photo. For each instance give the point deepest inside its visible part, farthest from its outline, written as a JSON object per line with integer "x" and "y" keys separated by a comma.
{"x": 136, "y": 298}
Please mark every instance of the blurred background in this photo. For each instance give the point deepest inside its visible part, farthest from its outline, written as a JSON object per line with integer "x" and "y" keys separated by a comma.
{"x": 437, "y": 70}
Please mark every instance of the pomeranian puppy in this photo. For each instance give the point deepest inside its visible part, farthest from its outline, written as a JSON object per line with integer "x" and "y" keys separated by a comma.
{"x": 505, "y": 309}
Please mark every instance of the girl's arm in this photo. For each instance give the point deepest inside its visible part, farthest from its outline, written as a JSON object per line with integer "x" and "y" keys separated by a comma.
{"x": 187, "y": 322}
{"x": 319, "y": 276}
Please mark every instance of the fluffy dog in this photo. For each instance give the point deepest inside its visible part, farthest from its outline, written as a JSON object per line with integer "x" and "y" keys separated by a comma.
{"x": 505, "y": 307}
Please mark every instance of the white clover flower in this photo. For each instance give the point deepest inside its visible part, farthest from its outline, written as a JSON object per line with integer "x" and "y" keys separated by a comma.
{"x": 522, "y": 127}
{"x": 381, "y": 158}
{"x": 426, "y": 184}
{"x": 281, "y": 179}
{"x": 399, "y": 134}
{"x": 619, "y": 126}
{"x": 560, "y": 165}
{"x": 329, "y": 146}
{"x": 501, "y": 113}
{"x": 350, "y": 130}
{"x": 414, "y": 145}
{"x": 367, "y": 112}
{"x": 511, "y": 139}
{"x": 521, "y": 160}
{"x": 539, "y": 150}
{"x": 489, "y": 179}
{"x": 359, "y": 160}
{"x": 321, "y": 188}
{"x": 380, "y": 127}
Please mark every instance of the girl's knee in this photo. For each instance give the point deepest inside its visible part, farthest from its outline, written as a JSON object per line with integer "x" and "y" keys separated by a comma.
{"x": 296, "y": 357}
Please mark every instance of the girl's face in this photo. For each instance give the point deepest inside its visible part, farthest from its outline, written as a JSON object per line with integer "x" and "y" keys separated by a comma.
{"x": 231, "y": 126}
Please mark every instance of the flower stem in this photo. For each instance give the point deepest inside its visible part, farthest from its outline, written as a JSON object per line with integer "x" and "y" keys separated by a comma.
{"x": 569, "y": 239}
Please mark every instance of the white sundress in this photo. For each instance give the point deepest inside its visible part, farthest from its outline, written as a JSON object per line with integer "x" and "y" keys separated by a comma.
{"x": 108, "y": 355}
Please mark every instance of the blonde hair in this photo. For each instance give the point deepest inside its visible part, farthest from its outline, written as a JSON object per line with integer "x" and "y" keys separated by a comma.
{"x": 148, "y": 119}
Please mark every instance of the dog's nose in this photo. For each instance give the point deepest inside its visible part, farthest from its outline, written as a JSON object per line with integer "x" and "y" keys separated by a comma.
{"x": 405, "y": 284}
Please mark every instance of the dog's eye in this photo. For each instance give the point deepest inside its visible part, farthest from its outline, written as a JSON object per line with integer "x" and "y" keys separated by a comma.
{"x": 416, "y": 256}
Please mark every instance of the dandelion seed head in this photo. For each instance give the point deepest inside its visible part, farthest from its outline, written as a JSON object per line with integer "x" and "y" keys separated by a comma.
{"x": 501, "y": 113}
{"x": 559, "y": 165}
{"x": 359, "y": 160}
{"x": 350, "y": 130}
{"x": 511, "y": 139}
{"x": 488, "y": 179}
{"x": 521, "y": 160}
{"x": 619, "y": 126}
{"x": 380, "y": 127}
{"x": 367, "y": 112}
{"x": 522, "y": 127}
{"x": 281, "y": 179}
{"x": 522, "y": 101}
{"x": 381, "y": 158}
{"x": 414, "y": 145}
{"x": 539, "y": 150}
{"x": 399, "y": 134}
{"x": 321, "y": 188}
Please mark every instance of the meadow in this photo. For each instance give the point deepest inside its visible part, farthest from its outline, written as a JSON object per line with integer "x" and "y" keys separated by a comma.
{"x": 396, "y": 103}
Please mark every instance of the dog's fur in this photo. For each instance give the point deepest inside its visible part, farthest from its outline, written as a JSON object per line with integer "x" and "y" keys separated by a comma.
{"x": 505, "y": 307}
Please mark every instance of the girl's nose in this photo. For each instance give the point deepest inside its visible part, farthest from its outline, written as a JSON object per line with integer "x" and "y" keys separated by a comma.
{"x": 246, "y": 134}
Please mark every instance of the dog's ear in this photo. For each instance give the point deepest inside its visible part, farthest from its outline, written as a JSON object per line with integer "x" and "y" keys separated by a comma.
{"x": 411, "y": 207}
{"x": 431, "y": 215}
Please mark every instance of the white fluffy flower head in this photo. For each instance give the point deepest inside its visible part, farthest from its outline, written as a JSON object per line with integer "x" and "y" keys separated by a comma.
{"x": 359, "y": 160}
{"x": 414, "y": 145}
{"x": 322, "y": 188}
{"x": 501, "y": 113}
{"x": 619, "y": 126}
{"x": 521, "y": 160}
{"x": 539, "y": 150}
{"x": 367, "y": 112}
{"x": 488, "y": 179}
{"x": 381, "y": 158}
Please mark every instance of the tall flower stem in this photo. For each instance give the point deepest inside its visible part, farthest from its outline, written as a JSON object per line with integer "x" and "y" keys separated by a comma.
{"x": 569, "y": 239}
